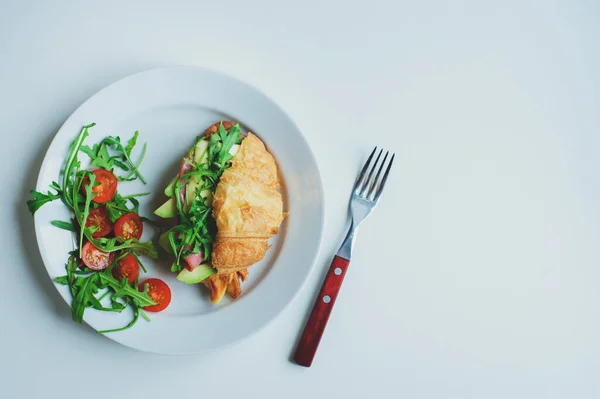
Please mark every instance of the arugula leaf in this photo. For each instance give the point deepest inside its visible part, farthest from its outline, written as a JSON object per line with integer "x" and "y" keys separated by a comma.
{"x": 73, "y": 163}
{"x": 82, "y": 216}
{"x": 62, "y": 280}
{"x": 131, "y": 143}
{"x": 91, "y": 152}
{"x": 71, "y": 267}
{"x": 39, "y": 199}
{"x": 86, "y": 287}
{"x": 116, "y": 143}
{"x": 117, "y": 206}
{"x": 101, "y": 157}
{"x": 120, "y": 165}
{"x": 81, "y": 300}
{"x": 229, "y": 138}
{"x": 123, "y": 290}
{"x": 130, "y": 296}
{"x": 136, "y": 316}
{"x": 64, "y": 225}
{"x": 117, "y": 244}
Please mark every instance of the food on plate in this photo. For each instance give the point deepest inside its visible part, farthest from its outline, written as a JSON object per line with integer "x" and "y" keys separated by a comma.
{"x": 227, "y": 206}
{"x": 128, "y": 268}
{"x": 248, "y": 210}
{"x": 99, "y": 219}
{"x": 102, "y": 273}
{"x": 94, "y": 258}
{"x": 159, "y": 292}
{"x": 105, "y": 188}
{"x": 129, "y": 226}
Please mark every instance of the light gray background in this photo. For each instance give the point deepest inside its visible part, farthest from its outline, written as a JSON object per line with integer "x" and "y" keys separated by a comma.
{"x": 478, "y": 275}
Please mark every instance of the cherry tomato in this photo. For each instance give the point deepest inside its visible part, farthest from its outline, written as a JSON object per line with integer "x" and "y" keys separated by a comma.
{"x": 129, "y": 226}
{"x": 127, "y": 267}
{"x": 99, "y": 218}
{"x": 159, "y": 292}
{"x": 107, "y": 187}
{"x": 95, "y": 258}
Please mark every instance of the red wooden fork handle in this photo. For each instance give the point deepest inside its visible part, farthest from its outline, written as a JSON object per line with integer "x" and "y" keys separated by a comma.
{"x": 313, "y": 331}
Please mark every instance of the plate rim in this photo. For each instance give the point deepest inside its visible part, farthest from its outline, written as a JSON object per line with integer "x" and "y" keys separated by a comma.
{"x": 319, "y": 181}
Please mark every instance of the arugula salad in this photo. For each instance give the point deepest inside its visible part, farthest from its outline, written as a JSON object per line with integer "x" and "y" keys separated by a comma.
{"x": 103, "y": 272}
{"x": 190, "y": 195}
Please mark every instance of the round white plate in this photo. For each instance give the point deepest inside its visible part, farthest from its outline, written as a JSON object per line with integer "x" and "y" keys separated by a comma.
{"x": 170, "y": 107}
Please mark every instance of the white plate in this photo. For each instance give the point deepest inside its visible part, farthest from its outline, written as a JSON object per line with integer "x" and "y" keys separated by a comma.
{"x": 170, "y": 107}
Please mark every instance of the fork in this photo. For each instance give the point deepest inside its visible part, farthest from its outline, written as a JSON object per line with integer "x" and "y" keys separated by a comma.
{"x": 365, "y": 195}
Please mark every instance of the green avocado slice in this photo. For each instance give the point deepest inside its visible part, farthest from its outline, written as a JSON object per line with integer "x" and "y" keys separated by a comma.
{"x": 197, "y": 275}
{"x": 167, "y": 210}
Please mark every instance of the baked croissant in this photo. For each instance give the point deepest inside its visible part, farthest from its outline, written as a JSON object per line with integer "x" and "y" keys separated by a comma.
{"x": 248, "y": 210}
{"x": 218, "y": 284}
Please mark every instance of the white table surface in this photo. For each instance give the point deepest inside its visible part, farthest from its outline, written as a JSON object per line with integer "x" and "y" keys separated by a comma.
{"x": 478, "y": 275}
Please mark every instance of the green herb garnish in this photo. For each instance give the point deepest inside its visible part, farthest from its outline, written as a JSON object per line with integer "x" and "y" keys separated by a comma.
{"x": 89, "y": 287}
{"x": 197, "y": 228}
{"x": 100, "y": 156}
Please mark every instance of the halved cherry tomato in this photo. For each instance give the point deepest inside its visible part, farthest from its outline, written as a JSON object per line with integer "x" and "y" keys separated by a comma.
{"x": 127, "y": 267}
{"x": 95, "y": 258}
{"x": 99, "y": 217}
{"x": 159, "y": 292}
{"x": 107, "y": 187}
{"x": 129, "y": 226}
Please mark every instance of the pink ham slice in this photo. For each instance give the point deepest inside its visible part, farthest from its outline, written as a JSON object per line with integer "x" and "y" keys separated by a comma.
{"x": 186, "y": 166}
{"x": 193, "y": 260}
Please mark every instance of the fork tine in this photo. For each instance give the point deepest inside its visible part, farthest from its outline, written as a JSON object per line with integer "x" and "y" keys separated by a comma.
{"x": 385, "y": 176}
{"x": 370, "y": 175}
{"x": 376, "y": 179}
{"x": 363, "y": 171}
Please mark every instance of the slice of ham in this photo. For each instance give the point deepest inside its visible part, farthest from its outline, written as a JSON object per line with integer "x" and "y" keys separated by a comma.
{"x": 185, "y": 167}
{"x": 193, "y": 260}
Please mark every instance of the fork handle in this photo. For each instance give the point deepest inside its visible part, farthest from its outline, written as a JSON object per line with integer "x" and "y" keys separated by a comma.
{"x": 313, "y": 331}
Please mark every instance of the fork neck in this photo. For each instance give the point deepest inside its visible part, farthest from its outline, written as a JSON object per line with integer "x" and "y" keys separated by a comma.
{"x": 345, "y": 250}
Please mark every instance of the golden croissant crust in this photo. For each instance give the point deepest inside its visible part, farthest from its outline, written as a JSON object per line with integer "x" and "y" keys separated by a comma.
{"x": 248, "y": 211}
{"x": 218, "y": 284}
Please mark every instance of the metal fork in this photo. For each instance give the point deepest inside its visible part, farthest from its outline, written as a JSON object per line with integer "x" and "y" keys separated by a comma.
{"x": 365, "y": 195}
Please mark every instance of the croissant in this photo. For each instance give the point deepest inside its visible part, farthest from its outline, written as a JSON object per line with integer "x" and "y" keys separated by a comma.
{"x": 218, "y": 284}
{"x": 248, "y": 210}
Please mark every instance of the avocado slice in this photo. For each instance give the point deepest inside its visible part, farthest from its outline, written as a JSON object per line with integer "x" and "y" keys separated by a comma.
{"x": 190, "y": 192}
{"x": 197, "y": 275}
{"x": 170, "y": 190}
{"x": 167, "y": 210}
{"x": 164, "y": 242}
{"x": 200, "y": 153}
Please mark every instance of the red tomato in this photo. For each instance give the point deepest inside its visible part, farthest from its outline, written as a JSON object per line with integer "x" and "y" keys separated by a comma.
{"x": 107, "y": 187}
{"x": 99, "y": 217}
{"x": 95, "y": 258}
{"x": 159, "y": 292}
{"x": 129, "y": 226}
{"x": 126, "y": 267}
